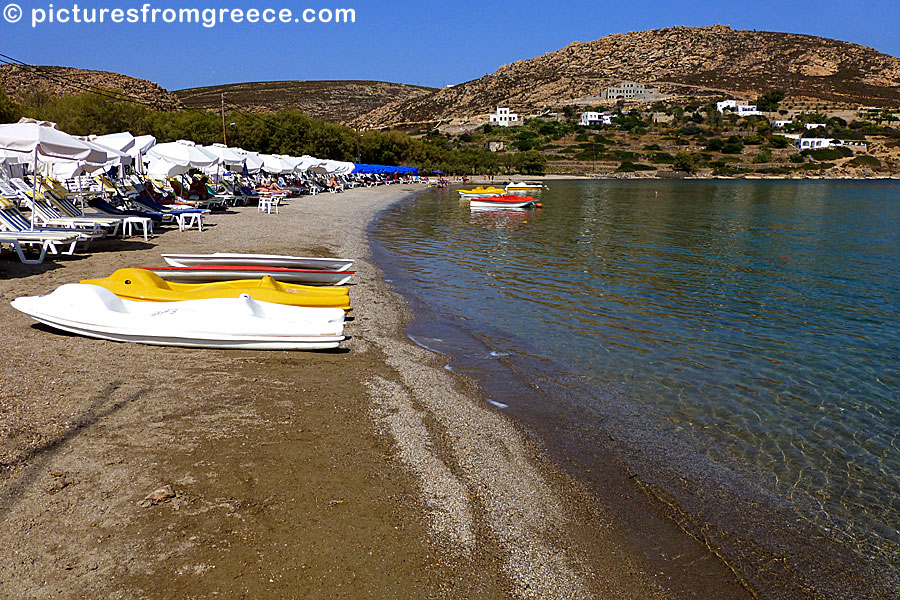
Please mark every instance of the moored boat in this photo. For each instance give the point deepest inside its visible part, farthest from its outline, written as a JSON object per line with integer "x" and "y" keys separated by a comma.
{"x": 263, "y": 260}
{"x": 508, "y": 201}
{"x": 140, "y": 284}
{"x": 525, "y": 186}
{"x": 481, "y": 192}
{"x": 212, "y": 273}
{"x": 240, "y": 322}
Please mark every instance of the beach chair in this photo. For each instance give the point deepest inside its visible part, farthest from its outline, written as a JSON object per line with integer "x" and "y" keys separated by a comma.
{"x": 12, "y": 221}
{"x": 55, "y": 243}
{"x": 47, "y": 216}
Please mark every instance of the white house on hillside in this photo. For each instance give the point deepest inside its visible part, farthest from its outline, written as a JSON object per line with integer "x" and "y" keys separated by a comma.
{"x": 742, "y": 110}
{"x": 504, "y": 118}
{"x": 595, "y": 118}
{"x": 782, "y": 123}
{"x": 814, "y": 126}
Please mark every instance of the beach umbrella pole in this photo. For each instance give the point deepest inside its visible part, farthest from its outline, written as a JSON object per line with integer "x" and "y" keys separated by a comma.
{"x": 34, "y": 184}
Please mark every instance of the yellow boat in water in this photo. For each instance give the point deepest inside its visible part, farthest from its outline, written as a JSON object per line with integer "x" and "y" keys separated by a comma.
{"x": 141, "y": 284}
{"x": 481, "y": 192}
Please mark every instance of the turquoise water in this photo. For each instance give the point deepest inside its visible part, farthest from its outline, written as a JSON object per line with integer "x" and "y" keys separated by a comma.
{"x": 750, "y": 327}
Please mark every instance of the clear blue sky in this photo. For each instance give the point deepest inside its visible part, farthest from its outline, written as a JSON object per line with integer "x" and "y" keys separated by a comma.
{"x": 429, "y": 43}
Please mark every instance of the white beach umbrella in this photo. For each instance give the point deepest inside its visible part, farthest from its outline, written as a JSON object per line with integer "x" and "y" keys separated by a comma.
{"x": 319, "y": 168}
{"x": 226, "y": 155}
{"x": 163, "y": 169}
{"x": 12, "y": 158}
{"x": 123, "y": 142}
{"x": 276, "y": 165}
{"x": 182, "y": 153}
{"x": 254, "y": 162}
{"x": 36, "y": 140}
{"x": 142, "y": 144}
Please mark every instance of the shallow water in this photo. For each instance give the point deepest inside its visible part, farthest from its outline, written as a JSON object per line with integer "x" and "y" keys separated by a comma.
{"x": 752, "y": 326}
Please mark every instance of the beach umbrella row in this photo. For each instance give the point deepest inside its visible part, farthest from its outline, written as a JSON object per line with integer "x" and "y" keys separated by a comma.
{"x": 57, "y": 153}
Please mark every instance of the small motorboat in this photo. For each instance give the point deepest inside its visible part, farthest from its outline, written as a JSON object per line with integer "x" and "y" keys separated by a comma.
{"x": 210, "y": 273}
{"x": 525, "y": 186}
{"x": 481, "y": 192}
{"x": 141, "y": 284}
{"x": 509, "y": 201}
{"x": 260, "y": 260}
{"x": 240, "y": 322}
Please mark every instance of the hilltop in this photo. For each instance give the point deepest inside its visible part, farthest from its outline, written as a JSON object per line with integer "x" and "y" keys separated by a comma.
{"x": 336, "y": 101}
{"x": 20, "y": 82}
{"x": 677, "y": 60}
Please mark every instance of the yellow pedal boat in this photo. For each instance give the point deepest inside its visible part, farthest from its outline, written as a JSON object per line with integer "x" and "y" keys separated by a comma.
{"x": 481, "y": 192}
{"x": 141, "y": 284}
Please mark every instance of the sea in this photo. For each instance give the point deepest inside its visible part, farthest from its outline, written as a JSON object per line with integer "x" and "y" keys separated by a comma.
{"x": 732, "y": 345}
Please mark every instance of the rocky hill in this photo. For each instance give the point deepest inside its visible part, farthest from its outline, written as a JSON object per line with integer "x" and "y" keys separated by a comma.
{"x": 679, "y": 60}
{"x": 337, "y": 101}
{"x": 19, "y": 82}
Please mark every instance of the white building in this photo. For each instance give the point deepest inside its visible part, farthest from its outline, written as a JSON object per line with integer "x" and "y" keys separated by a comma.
{"x": 812, "y": 143}
{"x": 814, "y": 126}
{"x": 629, "y": 90}
{"x": 742, "y": 110}
{"x": 595, "y": 118}
{"x": 504, "y": 118}
{"x": 781, "y": 123}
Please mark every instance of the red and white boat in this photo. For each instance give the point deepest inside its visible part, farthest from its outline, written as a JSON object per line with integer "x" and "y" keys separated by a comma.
{"x": 508, "y": 201}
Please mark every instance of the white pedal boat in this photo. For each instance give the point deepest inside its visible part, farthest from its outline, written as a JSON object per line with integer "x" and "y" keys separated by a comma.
{"x": 262, "y": 260}
{"x": 525, "y": 186}
{"x": 242, "y": 323}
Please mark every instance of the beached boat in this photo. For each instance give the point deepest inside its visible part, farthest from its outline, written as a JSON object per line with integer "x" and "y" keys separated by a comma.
{"x": 211, "y": 273}
{"x": 140, "y": 284}
{"x": 501, "y": 202}
{"x": 481, "y": 192}
{"x": 261, "y": 260}
{"x": 240, "y": 322}
{"x": 525, "y": 186}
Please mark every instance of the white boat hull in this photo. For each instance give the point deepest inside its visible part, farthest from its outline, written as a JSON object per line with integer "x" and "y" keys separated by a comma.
{"x": 501, "y": 205}
{"x": 481, "y": 195}
{"x": 243, "y": 322}
{"x": 266, "y": 260}
{"x": 201, "y": 274}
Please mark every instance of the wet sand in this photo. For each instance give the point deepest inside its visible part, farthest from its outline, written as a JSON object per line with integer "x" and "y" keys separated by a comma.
{"x": 369, "y": 472}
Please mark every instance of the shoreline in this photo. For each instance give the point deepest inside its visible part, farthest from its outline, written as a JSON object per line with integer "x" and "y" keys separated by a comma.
{"x": 371, "y": 470}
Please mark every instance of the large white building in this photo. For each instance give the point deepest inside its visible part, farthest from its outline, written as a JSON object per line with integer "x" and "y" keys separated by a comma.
{"x": 504, "y": 118}
{"x": 742, "y": 110}
{"x": 629, "y": 90}
{"x": 595, "y": 118}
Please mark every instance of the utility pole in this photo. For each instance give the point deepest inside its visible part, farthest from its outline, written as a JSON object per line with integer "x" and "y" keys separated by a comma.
{"x": 224, "y": 135}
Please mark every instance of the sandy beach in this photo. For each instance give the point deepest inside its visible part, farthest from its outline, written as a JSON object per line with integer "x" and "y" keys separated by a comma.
{"x": 368, "y": 472}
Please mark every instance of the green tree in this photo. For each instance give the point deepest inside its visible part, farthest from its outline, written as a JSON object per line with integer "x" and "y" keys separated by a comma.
{"x": 686, "y": 162}
{"x": 770, "y": 101}
{"x": 531, "y": 162}
{"x": 9, "y": 112}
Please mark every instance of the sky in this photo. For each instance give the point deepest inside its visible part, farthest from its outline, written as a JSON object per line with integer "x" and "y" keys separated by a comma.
{"x": 405, "y": 41}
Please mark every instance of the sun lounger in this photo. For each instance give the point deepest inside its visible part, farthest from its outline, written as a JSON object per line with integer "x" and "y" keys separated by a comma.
{"x": 12, "y": 220}
{"x": 46, "y": 241}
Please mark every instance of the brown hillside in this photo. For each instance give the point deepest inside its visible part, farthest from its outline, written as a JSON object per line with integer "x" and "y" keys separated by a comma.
{"x": 337, "y": 101}
{"x": 677, "y": 60}
{"x": 19, "y": 82}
